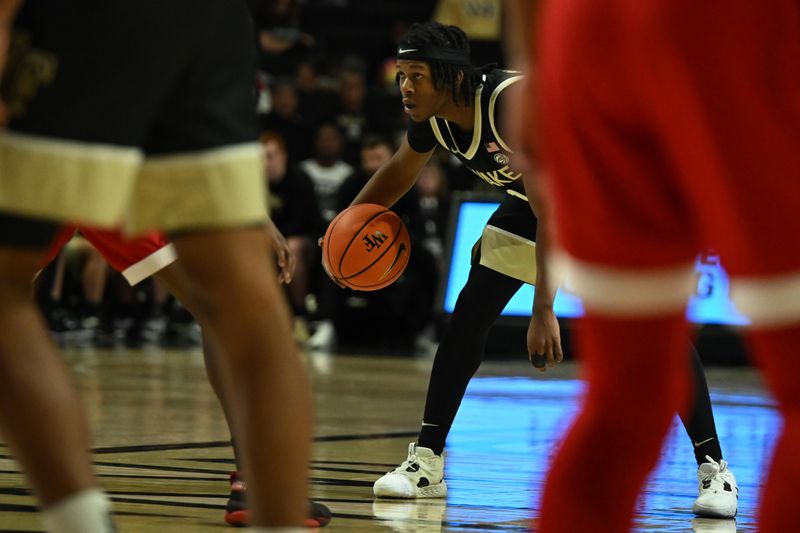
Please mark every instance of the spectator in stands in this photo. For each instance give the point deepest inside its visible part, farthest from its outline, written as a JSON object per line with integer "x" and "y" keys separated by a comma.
{"x": 315, "y": 93}
{"x": 326, "y": 169}
{"x": 362, "y": 108}
{"x": 434, "y": 201}
{"x": 351, "y": 116}
{"x": 282, "y": 41}
{"x": 286, "y": 120}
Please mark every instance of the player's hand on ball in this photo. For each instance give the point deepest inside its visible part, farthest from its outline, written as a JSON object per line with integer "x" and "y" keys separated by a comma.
{"x": 544, "y": 340}
{"x": 331, "y": 276}
{"x": 321, "y": 244}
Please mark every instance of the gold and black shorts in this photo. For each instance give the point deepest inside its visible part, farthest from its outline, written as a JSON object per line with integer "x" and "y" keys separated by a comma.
{"x": 508, "y": 242}
{"x": 139, "y": 114}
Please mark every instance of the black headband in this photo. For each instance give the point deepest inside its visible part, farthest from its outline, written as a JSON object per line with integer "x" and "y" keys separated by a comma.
{"x": 430, "y": 53}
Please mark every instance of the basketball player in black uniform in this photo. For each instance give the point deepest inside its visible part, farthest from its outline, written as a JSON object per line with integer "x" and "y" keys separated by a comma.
{"x": 142, "y": 114}
{"x": 457, "y": 107}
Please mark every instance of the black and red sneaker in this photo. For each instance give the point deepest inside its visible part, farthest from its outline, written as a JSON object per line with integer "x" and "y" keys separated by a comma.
{"x": 236, "y": 509}
{"x": 318, "y": 515}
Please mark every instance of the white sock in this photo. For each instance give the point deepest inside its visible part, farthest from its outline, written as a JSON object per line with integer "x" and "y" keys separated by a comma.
{"x": 277, "y": 529}
{"x": 88, "y": 511}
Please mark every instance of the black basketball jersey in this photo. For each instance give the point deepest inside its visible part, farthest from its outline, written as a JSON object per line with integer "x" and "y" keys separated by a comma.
{"x": 483, "y": 149}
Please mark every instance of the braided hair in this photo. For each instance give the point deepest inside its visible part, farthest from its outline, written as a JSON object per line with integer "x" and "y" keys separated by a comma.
{"x": 445, "y": 74}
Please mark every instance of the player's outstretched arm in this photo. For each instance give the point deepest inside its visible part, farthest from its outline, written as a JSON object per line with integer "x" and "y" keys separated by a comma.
{"x": 394, "y": 178}
{"x": 544, "y": 333}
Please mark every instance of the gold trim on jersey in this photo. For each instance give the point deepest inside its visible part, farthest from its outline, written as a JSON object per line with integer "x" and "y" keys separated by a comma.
{"x": 438, "y": 134}
{"x": 492, "y": 102}
{"x": 509, "y": 254}
{"x": 64, "y": 180}
{"x": 476, "y": 131}
{"x": 517, "y": 194}
{"x": 218, "y": 187}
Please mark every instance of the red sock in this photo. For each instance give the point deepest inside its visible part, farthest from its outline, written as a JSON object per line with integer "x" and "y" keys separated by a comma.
{"x": 637, "y": 376}
{"x": 777, "y": 352}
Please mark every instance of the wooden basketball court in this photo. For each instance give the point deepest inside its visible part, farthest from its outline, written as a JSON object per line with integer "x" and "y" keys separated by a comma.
{"x": 161, "y": 445}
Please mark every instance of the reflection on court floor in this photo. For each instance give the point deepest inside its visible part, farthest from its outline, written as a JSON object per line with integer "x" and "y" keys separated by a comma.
{"x": 162, "y": 451}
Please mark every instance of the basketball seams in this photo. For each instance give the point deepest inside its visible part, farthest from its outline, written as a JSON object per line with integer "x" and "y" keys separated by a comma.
{"x": 389, "y": 281}
{"x": 327, "y": 247}
{"x": 385, "y": 283}
{"x": 383, "y": 253}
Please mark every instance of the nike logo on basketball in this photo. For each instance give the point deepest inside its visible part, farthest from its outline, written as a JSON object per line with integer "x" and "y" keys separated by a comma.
{"x": 696, "y": 444}
{"x": 407, "y": 50}
{"x": 401, "y": 250}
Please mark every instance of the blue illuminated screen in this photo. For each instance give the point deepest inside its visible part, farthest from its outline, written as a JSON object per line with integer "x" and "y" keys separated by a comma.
{"x": 709, "y": 305}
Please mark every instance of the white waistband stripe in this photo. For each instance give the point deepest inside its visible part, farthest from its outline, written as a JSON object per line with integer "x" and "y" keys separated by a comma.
{"x": 771, "y": 302}
{"x": 625, "y": 292}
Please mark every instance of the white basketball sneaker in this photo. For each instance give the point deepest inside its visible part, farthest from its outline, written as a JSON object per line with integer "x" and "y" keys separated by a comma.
{"x": 421, "y": 475}
{"x": 719, "y": 493}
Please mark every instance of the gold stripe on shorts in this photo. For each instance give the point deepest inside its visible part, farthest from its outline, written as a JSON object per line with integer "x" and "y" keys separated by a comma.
{"x": 88, "y": 183}
{"x": 509, "y": 254}
{"x": 222, "y": 187}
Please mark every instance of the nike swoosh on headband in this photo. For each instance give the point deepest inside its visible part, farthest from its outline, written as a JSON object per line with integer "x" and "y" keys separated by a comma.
{"x": 406, "y": 50}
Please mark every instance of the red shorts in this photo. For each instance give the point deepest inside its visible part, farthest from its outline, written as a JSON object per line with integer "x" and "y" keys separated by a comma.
{"x": 670, "y": 127}
{"x": 136, "y": 258}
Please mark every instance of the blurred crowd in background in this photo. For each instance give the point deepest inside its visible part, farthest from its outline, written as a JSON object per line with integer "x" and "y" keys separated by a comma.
{"x": 330, "y": 115}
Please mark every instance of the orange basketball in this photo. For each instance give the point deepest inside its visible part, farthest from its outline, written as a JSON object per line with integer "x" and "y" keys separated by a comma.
{"x": 366, "y": 247}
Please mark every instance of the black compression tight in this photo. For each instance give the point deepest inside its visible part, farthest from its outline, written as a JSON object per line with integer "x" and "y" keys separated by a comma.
{"x": 461, "y": 351}
{"x": 699, "y": 421}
